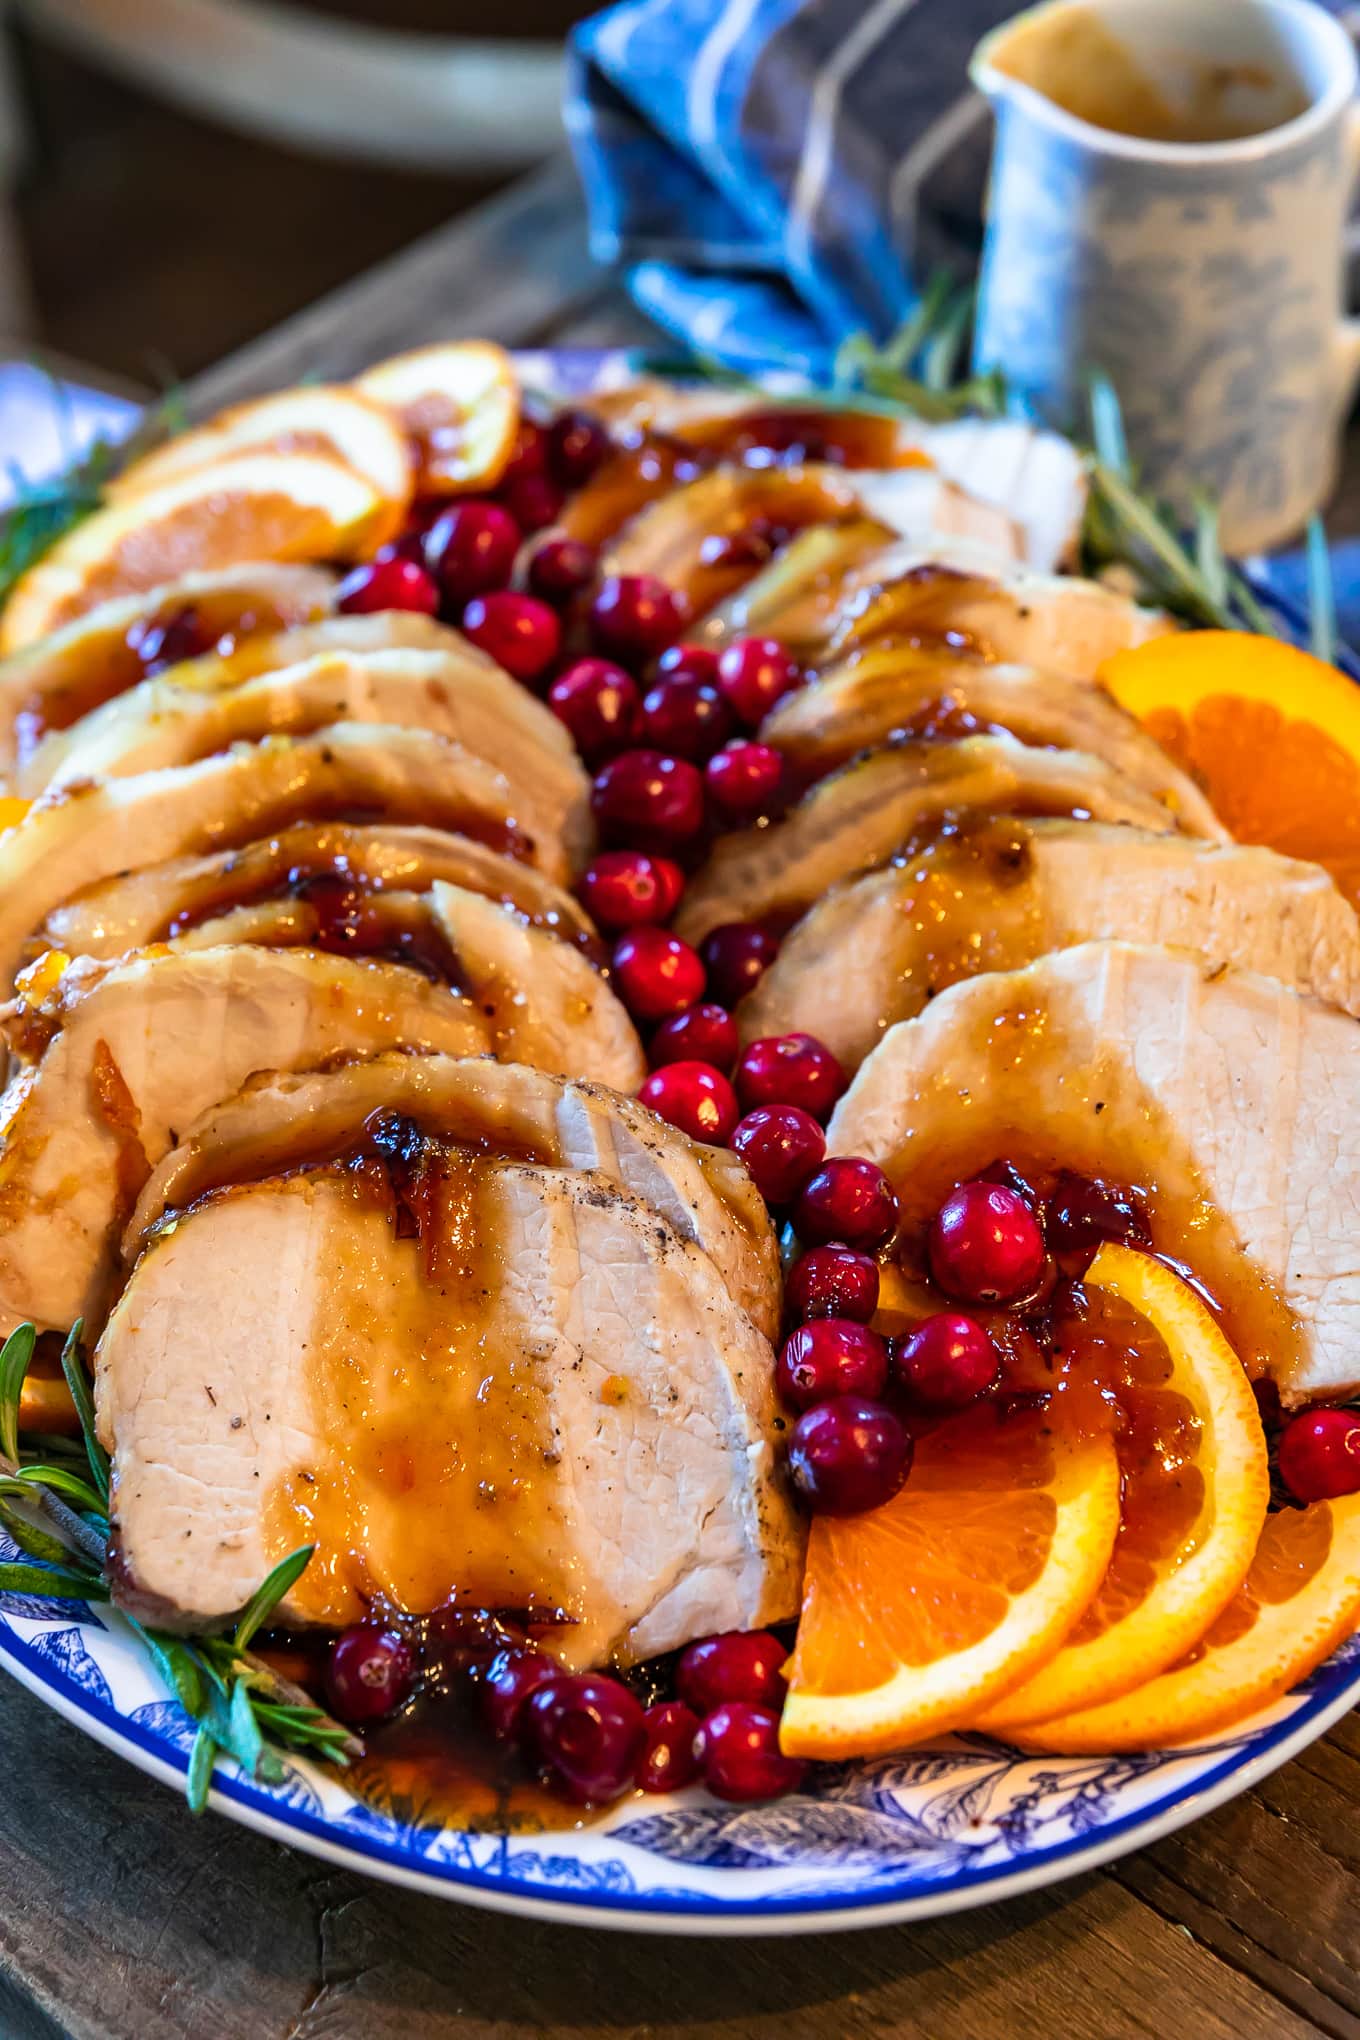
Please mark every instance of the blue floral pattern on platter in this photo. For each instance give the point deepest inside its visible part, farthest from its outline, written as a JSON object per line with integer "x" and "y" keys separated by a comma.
{"x": 932, "y": 1829}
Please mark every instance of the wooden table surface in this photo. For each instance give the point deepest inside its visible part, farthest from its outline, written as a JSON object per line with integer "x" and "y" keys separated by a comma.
{"x": 123, "y": 1919}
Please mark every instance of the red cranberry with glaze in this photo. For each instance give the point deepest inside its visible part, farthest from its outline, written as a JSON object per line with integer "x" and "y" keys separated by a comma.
{"x": 634, "y": 616}
{"x": 848, "y": 1199}
{"x": 517, "y": 631}
{"x": 388, "y": 584}
{"x": 470, "y": 549}
{"x": 649, "y": 800}
{"x": 656, "y": 974}
{"x": 848, "y": 1455}
{"x": 781, "y": 1146}
{"x": 598, "y": 702}
{"x": 736, "y": 957}
{"x": 627, "y": 888}
{"x": 741, "y": 1664}
{"x": 755, "y": 673}
{"x": 369, "y": 1673}
{"x": 703, "y": 1033}
{"x": 534, "y": 501}
{"x": 162, "y": 642}
{"x": 529, "y": 455}
{"x": 832, "y": 1281}
{"x": 790, "y": 1069}
{"x": 695, "y": 1097}
{"x": 831, "y": 1357}
{"x": 507, "y": 1684}
{"x": 668, "y": 1762}
{"x": 561, "y": 568}
{"x": 1081, "y": 1214}
{"x": 689, "y": 662}
{"x": 745, "y": 781}
{"x": 685, "y": 716}
{"x": 946, "y": 1362}
{"x": 577, "y": 445}
{"x": 1319, "y": 1454}
{"x": 587, "y": 1733}
{"x": 739, "y": 1755}
{"x": 985, "y": 1244}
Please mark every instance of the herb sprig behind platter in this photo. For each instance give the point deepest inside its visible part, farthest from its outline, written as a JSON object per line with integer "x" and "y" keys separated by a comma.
{"x": 54, "y": 1502}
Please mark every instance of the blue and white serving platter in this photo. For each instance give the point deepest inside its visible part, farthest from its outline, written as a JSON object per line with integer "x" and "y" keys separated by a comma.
{"x": 939, "y": 1828}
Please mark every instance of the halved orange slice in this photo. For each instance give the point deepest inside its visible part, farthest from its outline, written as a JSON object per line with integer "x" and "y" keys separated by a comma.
{"x": 1300, "y": 1599}
{"x": 256, "y": 506}
{"x": 917, "y": 1615}
{"x": 1196, "y": 1486}
{"x": 1271, "y": 734}
{"x": 458, "y": 402}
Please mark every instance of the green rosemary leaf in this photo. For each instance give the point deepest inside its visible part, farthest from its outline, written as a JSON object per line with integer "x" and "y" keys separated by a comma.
{"x": 919, "y": 327}
{"x": 855, "y": 353}
{"x": 178, "y": 1665}
{"x": 15, "y": 1356}
{"x": 60, "y": 1480}
{"x": 270, "y": 1592}
{"x": 1321, "y": 605}
{"x": 38, "y": 1543}
{"x": 1107, "y": 425}
{"x": 73, "y": 1367}
{"x": 201, "y": 1760}
{"x": 1247, "y": 609}
{"x": 943, "y": 348}
{"x": 247, "y": 1744}
{"x": 57, "y": 1582}
{"x": 1209, "y": 550}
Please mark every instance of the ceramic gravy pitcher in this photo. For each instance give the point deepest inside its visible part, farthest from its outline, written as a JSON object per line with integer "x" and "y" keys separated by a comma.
{"x": 1168, "y": 199}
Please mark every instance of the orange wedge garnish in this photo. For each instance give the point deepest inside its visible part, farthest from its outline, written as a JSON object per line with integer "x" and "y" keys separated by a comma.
{"x": 1300, "y": 1599}
{"x": 1196, "y": 1485}
{"x": 1271, "y": 734}
{"x": 458, "y": 403}
{"x": 917, "y": 1615}
{"x": 256, "y": 506}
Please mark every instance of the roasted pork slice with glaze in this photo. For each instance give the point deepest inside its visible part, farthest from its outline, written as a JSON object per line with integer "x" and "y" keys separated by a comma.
{"x": 891, "y": 689}
{"x": 582, "y": 1415}
{"x": 121, "y": 1057}
{"x": 703, "y": 1193}
{"x": 1227, "y": 1100}
{"x": 871, "y": 809}
{"x": 996, "y": 894}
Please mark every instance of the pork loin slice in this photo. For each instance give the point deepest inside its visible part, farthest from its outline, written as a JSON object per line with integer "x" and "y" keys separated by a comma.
{"x": 886, "y": 690}
{"x": 1232, "y": 1101}
{"x": 76, "y": 837}
{"x": 138, "y": 1050}
{"x": 547, "y": 1401}
{"x": 868, "y": 811}
{"x": 999, "y": 894}
{"x": 703, "y": 1193}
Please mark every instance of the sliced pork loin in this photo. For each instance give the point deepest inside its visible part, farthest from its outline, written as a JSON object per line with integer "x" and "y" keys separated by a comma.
{"x": 871, "y": 809}
{"x": 79, "y": 836}
{"x": 998, "y": 893}
{"x": 895, "y": 688}
{"x": 125, "y": 1055}
{"x": 1229, "y": 1100}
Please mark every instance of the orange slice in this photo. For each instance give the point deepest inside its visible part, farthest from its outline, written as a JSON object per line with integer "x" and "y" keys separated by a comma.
{"x": 1300, "y": 1600}
{"x": 459, "y": 403}
{"x": 1271, "y": 734}
{"x": 256, "y": 506}
{"x": 1196, "y": 1486}
{"x": 920, "y": 1613}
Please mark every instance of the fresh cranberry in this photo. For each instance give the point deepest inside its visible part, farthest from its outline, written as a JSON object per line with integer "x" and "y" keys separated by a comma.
{"x": 598, "y": 702}
{"x": 625, "y": 888}
{"x": 587, "y": 1733}
{"x": 561, "y": 568}
{"x": 790, "y": 1069}
{"x": 832, "y": 1281}
{"x": 704, "y": 1033}
{"x": 518, "y": 631}
{"x": 508, "y": 1682}
{"x": 634, "y": 616}
{"x": 387, "y": 584}
{"x": 577, "y": 445}
{"x": 529, "y": 455}
{"x": 781, "y": 1145}
{"x": 848, "y": 1199}
{"x": 744, "y": 781}
{"x": 459, "y": 1645}
{"x": 656, "y": 974}
{"x": 471, "y": 549}
{"x": 1081, "y": 1213}
{"x": 947, "y": 1362}
{"x": 668, "y": 1762}
{"x": 985, "y": 1244}
{"x": 736, "y": 957}
{"x": 755, "y": 673}
{"x": 848, "y": 1455}
{"x": 649, "y": 799}
{"x": 689, "y": 662}
{"x": 165, "y": 641}
{"x": 742, "y": 1664}
{"x": 831, "y": 1357}
{"x": 1320, "y": 1454}
{"x": 695, "y": 1097}
{"x": 739, "y": 1755}
{"x": 368, "y": 1673}
{"x": 686, "y": 716}
{"x": 534, "y": 501}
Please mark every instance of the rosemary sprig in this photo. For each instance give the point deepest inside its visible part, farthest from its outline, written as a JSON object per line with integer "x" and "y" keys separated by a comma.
{"x": 242, "y": 1706}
